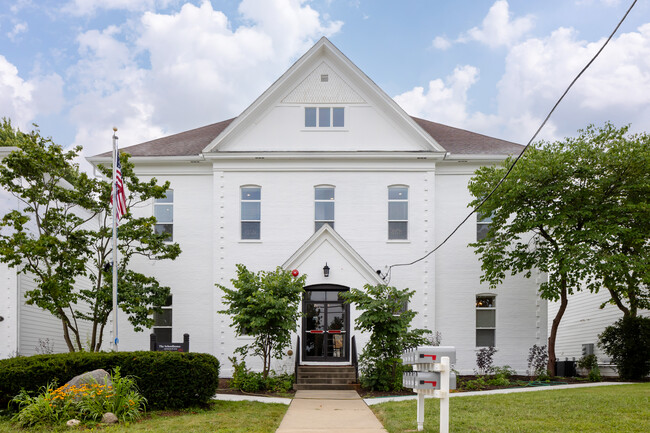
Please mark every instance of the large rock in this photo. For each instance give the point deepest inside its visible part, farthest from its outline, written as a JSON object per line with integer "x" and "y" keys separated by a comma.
{"x": 98, "y": 376}
{"x": 73, "y": 423}
{"x": 109, "y": 418}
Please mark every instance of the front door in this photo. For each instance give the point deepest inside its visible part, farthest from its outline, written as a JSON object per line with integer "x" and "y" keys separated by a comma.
{"x": 325, "y": 324}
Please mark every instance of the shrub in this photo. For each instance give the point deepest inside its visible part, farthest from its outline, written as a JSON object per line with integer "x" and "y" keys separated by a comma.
{"x": 588, "y": 362}
{"x": 249, "y": 381}
{"x": 86, "y": 401}
{"x": 166, "y": 379}
{"x": 628, "y": 343}
{"x": 537, "y": 360}
{"x": 484, "y": 359}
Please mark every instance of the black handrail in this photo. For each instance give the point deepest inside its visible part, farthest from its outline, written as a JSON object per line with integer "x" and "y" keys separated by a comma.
{"x": 297, "y": 359}
{"x": 354, "y": 359}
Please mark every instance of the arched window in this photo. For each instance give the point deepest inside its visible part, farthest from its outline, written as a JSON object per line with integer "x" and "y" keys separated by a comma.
{"x": 323, "y": 206}
{"x": 251, "y": 212}
{"x": 398, "y": 212}
{"x": 486, "y": 320}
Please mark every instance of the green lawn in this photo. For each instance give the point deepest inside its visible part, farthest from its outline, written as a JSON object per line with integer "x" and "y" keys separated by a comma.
{"x": 620, "y": 408}
{"x": 222, "y": 417}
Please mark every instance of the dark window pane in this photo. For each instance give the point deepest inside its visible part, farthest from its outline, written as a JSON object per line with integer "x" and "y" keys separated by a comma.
{"x": 168, "y": 301}
{"x": 485, "y": 302}
{"x": 164, "y": 213}
{"x": 314, "y": 344}
{"x": 485, "y": 338}
{"x": 163, "y": 318}
{"x": 336, "y": 346}
{"x": 250, "y": 230}
{"x": 397, "y": 230}
{"x": 310, "y": 116}
{"x": 485, "y": 318}
{"x": 482, "y": 231}
{"x": 163, "y": 335}
{"x": 315, "y": 317}
{"x": 398, "y": 193}
{"x": 324, "y": 193}
{"x": 324, "y": 211}
{"x": 315, "y": 295}
{"x": 169, "y": 197}
{"x": 338, "y": 117}
{"x": 335, "y": 317}
{"x": 167, "y": 229}
{"x": 252, "y": 193}
{"x": 320, "y": 224}
{"x": 398, "y": 210}
{"x": 250, "y": 210}
{"x": 324, "y": 117}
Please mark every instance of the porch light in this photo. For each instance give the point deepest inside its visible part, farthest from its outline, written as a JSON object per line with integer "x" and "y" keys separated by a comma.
{"x": 326, "y": 270}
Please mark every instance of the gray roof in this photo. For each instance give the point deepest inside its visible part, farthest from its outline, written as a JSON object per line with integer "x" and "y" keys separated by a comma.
{"x": 192, "y": 142}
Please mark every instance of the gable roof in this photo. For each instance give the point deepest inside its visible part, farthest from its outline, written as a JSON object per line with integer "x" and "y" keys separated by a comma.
{"x": 454, "y": 140}
{"x": 327, "y": 235}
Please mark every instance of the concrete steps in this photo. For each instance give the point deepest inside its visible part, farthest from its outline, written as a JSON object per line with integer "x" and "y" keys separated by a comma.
{"x": 326, "y": 377}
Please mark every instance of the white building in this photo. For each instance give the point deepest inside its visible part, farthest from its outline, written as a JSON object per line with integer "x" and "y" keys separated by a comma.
{"x": 325, "y": 168}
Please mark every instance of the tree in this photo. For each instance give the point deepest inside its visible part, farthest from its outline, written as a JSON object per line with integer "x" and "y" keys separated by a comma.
{"x": 46, "y": 237}
{"x": 64, "y": 232}
{"x": 385, "y": 317}
{"x": 563, "y": 206}
{"x": 628, "y": 343}
{"x": 139, "y": 294}
{"x": 264, "y": 305}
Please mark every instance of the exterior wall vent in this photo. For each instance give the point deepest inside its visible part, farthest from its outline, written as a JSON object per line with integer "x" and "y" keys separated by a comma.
{"x": 324, "y": 78}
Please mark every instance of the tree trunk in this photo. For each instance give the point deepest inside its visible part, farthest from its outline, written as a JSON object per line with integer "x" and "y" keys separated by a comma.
{"x": 556, "y": 323}
{"x": 66, "y": 336}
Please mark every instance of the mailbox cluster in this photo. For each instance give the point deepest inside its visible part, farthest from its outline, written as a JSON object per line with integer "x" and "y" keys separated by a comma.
{"x": 431, "y": 375}
{"x": 426, "y": 363}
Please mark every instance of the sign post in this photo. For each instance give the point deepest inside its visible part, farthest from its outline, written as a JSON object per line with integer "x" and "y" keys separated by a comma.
{"x": 431, "y": 375}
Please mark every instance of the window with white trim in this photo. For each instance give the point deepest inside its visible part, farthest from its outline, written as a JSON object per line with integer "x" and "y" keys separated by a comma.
{"x": 324, "y": 117}
{"x": 162, "y": 327}
{"x": 482, "y": 226}
{"x": 398, "y": 212}
{"x": 163, "y": 210}
{"x": 323, "y": 206}
{"x": 486, "y": 320}
{"x": 251, "y": 212}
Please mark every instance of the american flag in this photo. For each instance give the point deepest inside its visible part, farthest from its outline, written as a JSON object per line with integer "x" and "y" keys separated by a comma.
{"x": 121, "y": 196}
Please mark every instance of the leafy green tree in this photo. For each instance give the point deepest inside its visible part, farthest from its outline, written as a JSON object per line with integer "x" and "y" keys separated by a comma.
{"x": 139, "y": 294}
{"x": 64, "y": 232}
{"x": 388, "y": 321}
{"x": 563, "y": 206}
{"x": 264, "y": 305}
{"x": 46, "y": 236}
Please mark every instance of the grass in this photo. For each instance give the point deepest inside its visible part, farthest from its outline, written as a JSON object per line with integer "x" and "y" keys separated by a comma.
{"x": 620, "y": 408}
{"x": 222, "y": 417}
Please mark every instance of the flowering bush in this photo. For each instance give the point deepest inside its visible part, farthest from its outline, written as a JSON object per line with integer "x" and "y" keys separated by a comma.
{"x": 85, "y": 401}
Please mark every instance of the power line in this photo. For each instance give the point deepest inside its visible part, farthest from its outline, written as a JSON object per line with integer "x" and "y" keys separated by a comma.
{"x": 388, "y": 272}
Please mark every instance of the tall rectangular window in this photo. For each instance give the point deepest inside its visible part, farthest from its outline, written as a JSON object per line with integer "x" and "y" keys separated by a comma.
{"x": 250, "y": 212}
{"x": 398, "y": 208}
{"x": 162, "y": 327}
{"x": 163, "y": 210}
{"x": 325, "y": 117}
{"x": 482, "y": 226}
{"x": 323, "y": 206}
{"x": 486, "y": 320}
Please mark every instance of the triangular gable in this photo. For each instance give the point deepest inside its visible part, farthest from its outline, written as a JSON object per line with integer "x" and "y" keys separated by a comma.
{"x": 290, "y": 83}
{"x": 323, "y": 85}
{"x": 327, "y": 238}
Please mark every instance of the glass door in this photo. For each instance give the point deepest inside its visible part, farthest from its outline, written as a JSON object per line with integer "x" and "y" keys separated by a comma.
{"x": 325, "y": 325}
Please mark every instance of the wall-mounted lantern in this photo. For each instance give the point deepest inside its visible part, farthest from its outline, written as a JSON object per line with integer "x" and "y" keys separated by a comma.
{"x": 326, "y": 270}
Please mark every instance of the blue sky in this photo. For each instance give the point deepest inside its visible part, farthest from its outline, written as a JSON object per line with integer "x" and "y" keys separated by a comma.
{"x": 156, "y": 67}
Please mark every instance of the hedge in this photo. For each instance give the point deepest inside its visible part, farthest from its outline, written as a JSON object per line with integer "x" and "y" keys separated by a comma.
{"x": 168, "y": 380}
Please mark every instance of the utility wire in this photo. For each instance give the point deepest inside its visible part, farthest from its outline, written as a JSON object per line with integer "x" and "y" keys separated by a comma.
{"x": 387, "y": 276}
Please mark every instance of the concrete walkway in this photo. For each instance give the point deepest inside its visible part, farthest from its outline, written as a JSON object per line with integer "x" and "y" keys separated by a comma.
{"x": 329, "y": 412}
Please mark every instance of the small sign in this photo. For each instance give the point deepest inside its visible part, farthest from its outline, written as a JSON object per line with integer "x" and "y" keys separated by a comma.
{"x": 170, "y": 347}
{"x": 155, "y": 346}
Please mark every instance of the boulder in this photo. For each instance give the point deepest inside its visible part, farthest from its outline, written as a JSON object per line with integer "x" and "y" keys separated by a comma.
{"x": 73, "y": 423}
{"x": 109, "y": 418}
{"x": 90, "y": 377}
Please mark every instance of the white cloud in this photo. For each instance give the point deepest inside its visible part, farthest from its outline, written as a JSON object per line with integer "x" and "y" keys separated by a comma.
{"x": 19, "y": 27}
{"x": 22, "y": 100}
{"x": 441, "y": 43}
{"x": 444, "y": 101}
{"x": 89, "y": 7}
{"x": 498, "y": 28}
{"x": 200, "y": 69}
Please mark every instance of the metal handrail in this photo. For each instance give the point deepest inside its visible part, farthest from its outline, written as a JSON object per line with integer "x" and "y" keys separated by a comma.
{"x": 355, "y": 361}
{"x": 297, "y": 359}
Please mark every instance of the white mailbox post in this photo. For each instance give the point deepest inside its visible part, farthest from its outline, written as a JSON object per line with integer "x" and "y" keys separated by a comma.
{"x": 431, "y": 375}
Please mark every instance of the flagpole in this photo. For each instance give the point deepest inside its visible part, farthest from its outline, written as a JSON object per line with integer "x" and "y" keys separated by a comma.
{"x": 115, "y": 339}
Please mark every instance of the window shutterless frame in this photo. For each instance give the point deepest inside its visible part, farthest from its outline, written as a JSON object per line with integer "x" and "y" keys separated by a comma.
{"x": 325, "y": 117}
{"x": 323, "y": 206}
{"x": 163, "y": 210}
{"x": 398, "y": 206}
{"x": 251, "y": 212}
{"x": 485, "y": 320}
